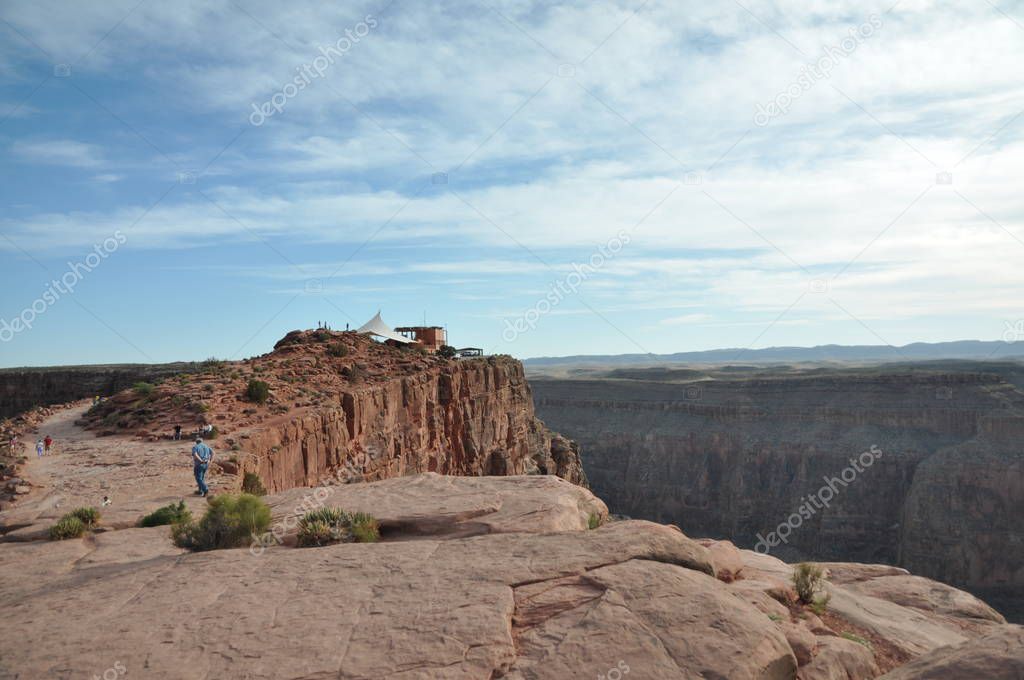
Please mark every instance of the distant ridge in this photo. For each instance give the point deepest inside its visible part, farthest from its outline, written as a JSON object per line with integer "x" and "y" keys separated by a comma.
{"x": 917, "y": 351}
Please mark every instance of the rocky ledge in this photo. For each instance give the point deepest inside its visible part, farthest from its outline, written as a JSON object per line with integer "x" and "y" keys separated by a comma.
{"x": 480, "y": 577}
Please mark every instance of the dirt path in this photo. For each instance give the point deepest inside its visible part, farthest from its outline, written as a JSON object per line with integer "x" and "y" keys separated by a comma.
{"x": 82, "y": 468}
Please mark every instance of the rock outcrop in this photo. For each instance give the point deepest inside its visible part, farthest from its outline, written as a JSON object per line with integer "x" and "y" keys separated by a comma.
{"x": 731, "y": 455}
{"x": 344, "y": 407}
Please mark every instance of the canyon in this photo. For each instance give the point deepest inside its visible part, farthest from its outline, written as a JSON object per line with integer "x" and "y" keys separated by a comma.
{"x": 738, "y": 451}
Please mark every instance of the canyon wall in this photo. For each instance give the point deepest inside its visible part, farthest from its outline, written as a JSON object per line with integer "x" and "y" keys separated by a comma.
{"x": 25, "y": 388}
{"x": 742, "y": 458}
{"x": 470, "y": 417}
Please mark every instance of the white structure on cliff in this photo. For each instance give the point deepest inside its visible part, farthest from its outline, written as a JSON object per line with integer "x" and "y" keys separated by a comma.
{"x": 377, "y": 327}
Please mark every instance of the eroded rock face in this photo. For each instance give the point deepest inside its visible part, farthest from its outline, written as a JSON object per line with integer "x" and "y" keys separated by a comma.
{"x": 737, "y": 457}
{"x": 341, "y": 407}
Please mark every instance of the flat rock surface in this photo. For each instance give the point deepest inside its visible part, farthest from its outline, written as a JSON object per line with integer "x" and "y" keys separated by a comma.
{"x": 475, "y": 577}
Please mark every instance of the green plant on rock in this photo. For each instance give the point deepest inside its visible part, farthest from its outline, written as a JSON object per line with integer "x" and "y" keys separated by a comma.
{"x": 809, "y": 583}
{"x": 143, "y": 389}
{"x": 90, "y": 517}
{"x": 332, "y": 525}
{"x": 338, "y": 349}
{"x": 169, "y": 514}
{"x": 257, "y": 391}
{"x": 252, "y": 484}
{"x": 364, "y": 528}
{"x": 230, "y": 522}
{"x": 594, "y": 521}
{"x": 446, "y": 352}
{"x": 66, "y": 527}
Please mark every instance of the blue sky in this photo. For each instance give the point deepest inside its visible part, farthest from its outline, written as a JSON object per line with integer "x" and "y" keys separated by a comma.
{"x": 599, "y": 177}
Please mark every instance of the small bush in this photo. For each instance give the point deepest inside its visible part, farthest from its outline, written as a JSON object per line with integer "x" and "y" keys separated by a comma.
{"x": 315, "y": 533}
{"x": 252, "y": 484}
{"x": 594, "y": 521}
{"x": 338, "y": 349}
{"x": 364, "y": 528}
{"x": 331, "y": 525}
{"x": 212, "y": 434}
{"x": 230, "y": 522}
{"x": 809, "y": 582}
{"x": 169, "y": 514}
{"x": 143, "y": 389}
{"x": 855, "y": 638}
{"x": 66, "y": 527}
{"x": 446, "y": 351}
{"x": 354, "y": 373}
{"x": 90, "y": 517}
{"x": 258, "y": 391}
{"x": 321, "y": 335}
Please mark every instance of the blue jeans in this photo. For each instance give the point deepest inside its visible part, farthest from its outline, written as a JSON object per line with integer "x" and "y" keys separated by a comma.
{"x": 200, "y": 472}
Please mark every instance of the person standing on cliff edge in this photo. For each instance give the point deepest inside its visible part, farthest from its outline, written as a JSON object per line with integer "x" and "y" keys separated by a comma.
{"x": 201, "y": 457}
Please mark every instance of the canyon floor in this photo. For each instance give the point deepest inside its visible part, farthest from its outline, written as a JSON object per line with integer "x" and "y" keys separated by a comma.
{"x": 475, "y": 577}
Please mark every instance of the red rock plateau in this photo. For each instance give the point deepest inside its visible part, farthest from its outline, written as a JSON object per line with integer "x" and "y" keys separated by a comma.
{"x": 474, "y": 578}
{"x": 344, "y": 407}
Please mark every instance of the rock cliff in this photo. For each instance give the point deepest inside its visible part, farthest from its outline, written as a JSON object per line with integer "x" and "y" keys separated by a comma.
{"x": 343, "y": 407}
{"x": 737, "y": 456}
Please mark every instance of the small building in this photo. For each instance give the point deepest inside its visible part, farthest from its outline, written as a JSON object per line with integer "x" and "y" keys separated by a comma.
{"x": 378, "y": 328}
{"x": 469, "y": 352}
{"x": 429, "y": 337}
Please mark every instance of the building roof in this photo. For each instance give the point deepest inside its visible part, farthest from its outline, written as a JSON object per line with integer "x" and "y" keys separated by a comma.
{"x": 376, "y": 326}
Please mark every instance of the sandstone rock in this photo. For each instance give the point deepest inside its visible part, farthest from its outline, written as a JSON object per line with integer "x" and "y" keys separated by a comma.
{"x": 997, "y": 656}
{"x": 727, "y": 559}
{"x": 840, "y": 659}
{"x": 801, "y": 641}
{"x": 927, "y": 595}
{"x": 21, "y": 489}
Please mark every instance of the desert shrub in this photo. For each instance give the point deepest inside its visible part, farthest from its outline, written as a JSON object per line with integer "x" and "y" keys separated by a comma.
{"x": 316, "y": 533}
{"x": 321, "y": 335}
{"x": 230, "y": 522}
{"x": 594, "y": 521}
{"x": 169, "y": 514}
{"x": 178, "y": 400}
{"x": 364, "y": 528}
{"x": 331, "y": 525}
{"x": 258, "y": 391}
{"x": 338, "y": 349}
{"x": 67, "y": 526}
{"x": 90, "y": 517}
{"x": 446, "y": 351}
{"x": 143, "y": 388}
{"x": 212, "y": 434}
{"x": 809, "y": 582}
{"x": 252, "y": 484}
{"x": 208, "y": 387}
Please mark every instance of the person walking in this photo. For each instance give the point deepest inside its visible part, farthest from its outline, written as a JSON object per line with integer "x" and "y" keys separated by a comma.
{"x": 39, "y": 448}
{"x": 201, "y": 457}
{"x": 48, "y": 442}
{"x": 177, "y": 432}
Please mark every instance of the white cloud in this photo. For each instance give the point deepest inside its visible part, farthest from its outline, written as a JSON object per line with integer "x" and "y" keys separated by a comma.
{"x": 58, "y": 152}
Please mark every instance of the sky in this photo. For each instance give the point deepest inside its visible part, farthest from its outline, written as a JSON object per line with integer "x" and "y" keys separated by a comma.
{"x": 196, "y": 179}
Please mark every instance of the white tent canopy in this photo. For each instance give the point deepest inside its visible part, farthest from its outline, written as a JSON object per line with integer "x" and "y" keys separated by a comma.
{"x": 376, "y": 326}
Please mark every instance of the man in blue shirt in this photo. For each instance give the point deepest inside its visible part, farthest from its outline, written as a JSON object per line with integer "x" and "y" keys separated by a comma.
{"x": 201, "y": 457}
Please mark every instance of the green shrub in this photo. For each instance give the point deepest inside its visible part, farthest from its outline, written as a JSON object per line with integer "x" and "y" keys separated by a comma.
{"x": 258, "y": 391}
{"x": 230, "y": 522}
{"x": 252, "y": 484}
{"x": 331, "y": 525}
{"x": 594, "y": 521}
{"x": 338, "y": 349}
{"x": 90, "y": 517}
{"x": 446, "y": 351}
{"x": 321, "y": 335}
{"x": 169, "y": 514}
{"x": 67, "y": 526}
{"x": 809, "y": 582}
{"x": 364, "y": 528}
{"x": 143, "y": 388}
{"x": 316, "y": 533}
